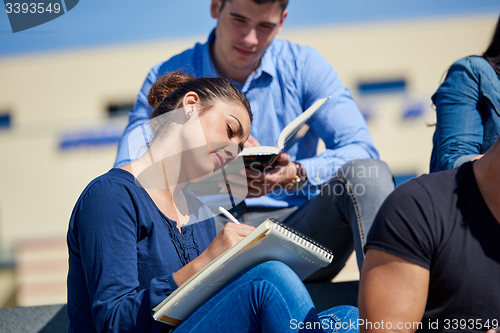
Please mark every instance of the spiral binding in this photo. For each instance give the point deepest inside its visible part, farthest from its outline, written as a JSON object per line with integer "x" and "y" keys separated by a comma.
{"x": 304, "y": 240}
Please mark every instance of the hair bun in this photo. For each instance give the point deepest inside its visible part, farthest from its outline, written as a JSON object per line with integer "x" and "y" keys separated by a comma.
{"x": 166, "y": 85}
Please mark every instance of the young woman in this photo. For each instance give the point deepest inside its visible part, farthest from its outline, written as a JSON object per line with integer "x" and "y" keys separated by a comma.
{"x": 468, "y": 109}
{"x": 135, "y": 235}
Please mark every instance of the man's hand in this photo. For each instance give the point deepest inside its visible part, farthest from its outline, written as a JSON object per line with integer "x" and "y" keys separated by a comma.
{"x": 259, "y": 183}
{"x": 275, "y": 177}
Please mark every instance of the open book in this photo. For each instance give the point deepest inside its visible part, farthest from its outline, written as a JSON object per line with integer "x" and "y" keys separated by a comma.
{"x": 262, "y": 156}
{"x": 271, "y": 240}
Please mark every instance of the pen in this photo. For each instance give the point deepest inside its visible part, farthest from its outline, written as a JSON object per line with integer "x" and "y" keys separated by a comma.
{"x": 228, "y": 215}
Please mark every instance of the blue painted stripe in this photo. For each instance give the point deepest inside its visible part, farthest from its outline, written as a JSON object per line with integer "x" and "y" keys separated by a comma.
{"x": 414, "y": 111}
{"x": 4, "y": 121}
{"x": 377, "y": 87}
{"x": 90, "y": 138}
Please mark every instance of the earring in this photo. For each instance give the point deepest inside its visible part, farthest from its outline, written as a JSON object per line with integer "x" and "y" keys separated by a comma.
{"x": 190, "y": 113}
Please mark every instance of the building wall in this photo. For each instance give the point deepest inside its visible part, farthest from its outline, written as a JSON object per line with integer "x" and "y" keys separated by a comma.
{"x": 50, "y": 96}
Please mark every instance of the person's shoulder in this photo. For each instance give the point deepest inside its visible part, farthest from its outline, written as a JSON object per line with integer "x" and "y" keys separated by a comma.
{"x": 115, "y": 182}
{"x": 474, "y": 65}
{"x": 417, "y": 202}
{"x": 483, "y": 69}
{"x": 474, "y": 62}
{"x": 461, "y": 75}
{"x": 434, "y": 186}
{"x": 104, "y": 194}
{"x": 288, "y": 51}
{"x": 297, "y": 63}
{"x": 436, "y": 181}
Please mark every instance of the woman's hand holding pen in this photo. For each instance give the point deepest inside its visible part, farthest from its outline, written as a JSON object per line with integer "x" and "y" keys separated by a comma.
{"x": 231, "y": 234}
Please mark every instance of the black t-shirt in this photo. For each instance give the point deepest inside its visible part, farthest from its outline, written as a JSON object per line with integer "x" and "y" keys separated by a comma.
{"x": 441, "y": 222}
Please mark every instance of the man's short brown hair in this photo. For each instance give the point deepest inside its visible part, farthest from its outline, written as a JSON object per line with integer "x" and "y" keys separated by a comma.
{"x": 283, "y": 3}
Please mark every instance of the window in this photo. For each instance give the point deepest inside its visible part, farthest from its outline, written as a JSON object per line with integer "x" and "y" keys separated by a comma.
{"x": 5, "y": 120}
{"x": 403, "y": 178}
{"x": 381, "y": 87}
{"x": 120, "y": 109}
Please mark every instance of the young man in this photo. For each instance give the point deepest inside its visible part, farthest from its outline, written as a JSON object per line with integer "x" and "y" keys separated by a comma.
{"x": 432, "y": 260}
{"x": 345, "y": 185}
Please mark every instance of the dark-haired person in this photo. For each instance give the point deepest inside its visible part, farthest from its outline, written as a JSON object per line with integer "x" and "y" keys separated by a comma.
{"x": 331, "y": 197}
{"x": 135, "y": 234}
{"x": 432, "y": 257}
{"x": 468, "y": 109}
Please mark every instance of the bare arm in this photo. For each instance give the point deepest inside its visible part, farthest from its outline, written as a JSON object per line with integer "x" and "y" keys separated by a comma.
{"x": 231, "y": 234}
{"x": 392, "y": 290}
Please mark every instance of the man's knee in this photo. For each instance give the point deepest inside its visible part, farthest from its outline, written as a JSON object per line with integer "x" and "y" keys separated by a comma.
{"x": 367, "y": 174}
{"x": 360, "y": 169}
{"x": 360, "y": 178}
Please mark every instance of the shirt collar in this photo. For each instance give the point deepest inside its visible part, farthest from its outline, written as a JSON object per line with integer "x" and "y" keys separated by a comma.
{"x": 266, "y": 69}
{"x": 266, "y": 63}
{"x": 209, "y": 69}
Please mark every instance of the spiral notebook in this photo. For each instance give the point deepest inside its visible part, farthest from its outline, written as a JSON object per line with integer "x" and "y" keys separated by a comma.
{"x": 271, "y": 240}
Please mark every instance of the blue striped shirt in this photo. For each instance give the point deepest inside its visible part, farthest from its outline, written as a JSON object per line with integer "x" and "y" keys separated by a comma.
{"x": 289, "y": 79}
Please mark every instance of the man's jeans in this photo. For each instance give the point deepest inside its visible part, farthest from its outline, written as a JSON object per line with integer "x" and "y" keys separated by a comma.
{"x": 268, "y": 297}
{"x": 339, "y": 218}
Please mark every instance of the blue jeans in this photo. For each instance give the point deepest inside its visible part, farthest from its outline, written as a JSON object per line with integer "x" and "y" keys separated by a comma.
{"x": 339, "y": 218}
{"x": 268, "y": 297}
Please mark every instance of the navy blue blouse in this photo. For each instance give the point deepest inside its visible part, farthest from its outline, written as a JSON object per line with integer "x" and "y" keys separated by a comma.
{"x": 122, "y": 253}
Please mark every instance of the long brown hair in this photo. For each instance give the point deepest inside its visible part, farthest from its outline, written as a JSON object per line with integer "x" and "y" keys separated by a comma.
{"x": 492, "y": 54}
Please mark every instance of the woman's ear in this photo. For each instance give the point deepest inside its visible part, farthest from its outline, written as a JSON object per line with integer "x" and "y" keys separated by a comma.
{"x": 190, "y": 103}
